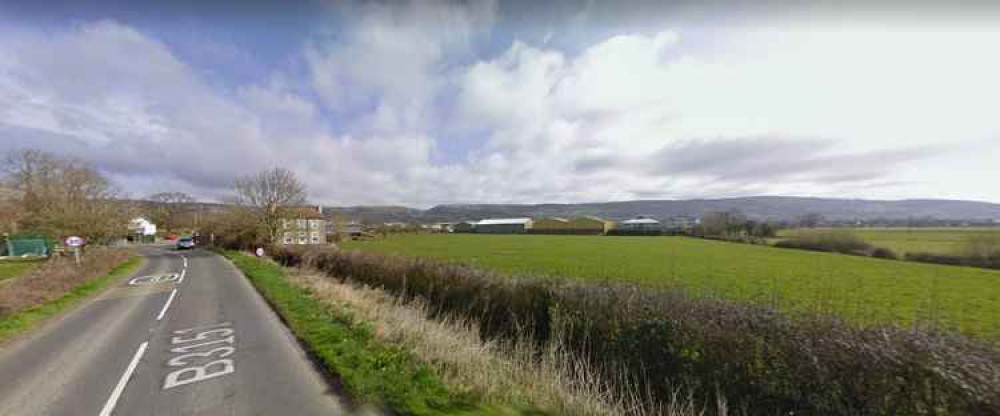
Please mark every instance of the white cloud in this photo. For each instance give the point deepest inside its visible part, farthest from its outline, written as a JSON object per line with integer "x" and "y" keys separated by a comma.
{"x": 844, "y": 112}
{"x": 164, "y": 123}
{"x": 880, "y": 100}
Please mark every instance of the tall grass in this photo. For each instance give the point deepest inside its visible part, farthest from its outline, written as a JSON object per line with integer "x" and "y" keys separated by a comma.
{"x": 56, "y": 277}
{"x": 754, "y": 357}
{"x": 502, "y": 372}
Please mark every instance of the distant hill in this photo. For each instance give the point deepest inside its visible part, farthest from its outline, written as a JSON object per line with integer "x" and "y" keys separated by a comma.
{"x": 761, "y": 207}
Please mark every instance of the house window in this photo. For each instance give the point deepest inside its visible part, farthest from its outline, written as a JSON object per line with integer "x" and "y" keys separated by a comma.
{"x": 314, "y": 237}
{"x": 302, "y": 224}
{"x": 289, "y": 239}
{"x": 284, "y": 224}
{"x": 314, "y": 224}
{"x": 303, "y": 240}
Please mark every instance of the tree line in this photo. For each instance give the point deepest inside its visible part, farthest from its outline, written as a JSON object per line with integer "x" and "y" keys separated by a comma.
{"x": 47, "y": 195}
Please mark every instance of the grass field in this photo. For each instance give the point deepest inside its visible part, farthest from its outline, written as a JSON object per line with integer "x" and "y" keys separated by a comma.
{"x": 862, "y": 289}
{"x": 909, "y": 240}
{"x": 14, "y": 268}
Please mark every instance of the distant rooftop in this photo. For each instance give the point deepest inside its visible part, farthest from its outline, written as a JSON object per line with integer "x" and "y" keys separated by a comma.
{"x": 504, "y": 221}
{"x": 641, "y": 221}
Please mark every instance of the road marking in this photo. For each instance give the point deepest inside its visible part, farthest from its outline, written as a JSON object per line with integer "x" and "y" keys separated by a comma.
{"x": 153, "y": 279}
{"x": 185, "y": 261}
{"x": 120, "y": 388}
{"x": 183, "y": 272}
{"x": 196, "y": 364}
{"x": 167, "y": 305}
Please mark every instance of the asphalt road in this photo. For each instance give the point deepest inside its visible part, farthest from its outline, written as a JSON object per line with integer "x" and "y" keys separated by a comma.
{"x": 196, "y": 339}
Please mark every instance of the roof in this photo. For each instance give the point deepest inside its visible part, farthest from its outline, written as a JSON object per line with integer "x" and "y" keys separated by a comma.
{"x": 304, "y": 213}
{"x": 641, "y": 221}
{"x": 504, "y": 221}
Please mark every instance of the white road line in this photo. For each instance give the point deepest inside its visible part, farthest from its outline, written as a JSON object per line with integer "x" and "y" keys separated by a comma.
{"x": 185, "y": 261}
{"x": 166, "y": 305}
{"x": 183, "y": 272}
{"x": 117, "y": 392}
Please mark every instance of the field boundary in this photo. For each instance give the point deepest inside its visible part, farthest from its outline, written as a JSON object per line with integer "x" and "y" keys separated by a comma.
{"x": 22, "y": 322}
{"x": 369, "y": 371}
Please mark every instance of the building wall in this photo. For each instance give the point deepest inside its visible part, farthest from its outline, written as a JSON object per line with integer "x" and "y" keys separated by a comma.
{"x": 303, "y": 231}
{"x": 501, "y": 229}
{"x": 545, "y": 224}
{"x": 590, "y": 224}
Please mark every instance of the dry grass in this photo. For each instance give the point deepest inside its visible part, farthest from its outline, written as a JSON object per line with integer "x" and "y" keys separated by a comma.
{"x": 503, "y": 373}
{"x": 56, "y": 277}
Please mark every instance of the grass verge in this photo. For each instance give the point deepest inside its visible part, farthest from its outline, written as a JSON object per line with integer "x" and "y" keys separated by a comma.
{"x": 21, "y": 321}
{"x": 14, "y": 268}
{"x": 369, "y": 370}
{"x": 503, "y": 373}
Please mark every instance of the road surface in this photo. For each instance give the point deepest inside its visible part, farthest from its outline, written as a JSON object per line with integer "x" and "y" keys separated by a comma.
{"x": 186, "y": 335}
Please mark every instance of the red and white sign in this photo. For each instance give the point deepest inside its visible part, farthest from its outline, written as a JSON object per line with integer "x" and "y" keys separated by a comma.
{"x": 75, "y": 241}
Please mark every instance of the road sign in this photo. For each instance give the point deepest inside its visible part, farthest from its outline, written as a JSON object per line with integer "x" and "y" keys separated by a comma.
{"x": 75, "y": 241}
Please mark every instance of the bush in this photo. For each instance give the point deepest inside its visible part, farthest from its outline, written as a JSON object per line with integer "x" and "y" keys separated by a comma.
{"x": 954, "y": 260}
{"x": 884, "y": 253}
{"x": 751, "y": 356}
{"x": 830, "y": 241}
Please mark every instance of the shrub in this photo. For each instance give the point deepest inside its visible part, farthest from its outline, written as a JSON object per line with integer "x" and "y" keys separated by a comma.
{"x": 954, "y": 260}
{"x": 884, "y": 253}
{"x": 752, "y": 356}
{"x": 831, "y": 241}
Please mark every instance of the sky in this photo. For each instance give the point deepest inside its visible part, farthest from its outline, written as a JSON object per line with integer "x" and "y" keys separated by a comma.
{"x": 421, "y": 103}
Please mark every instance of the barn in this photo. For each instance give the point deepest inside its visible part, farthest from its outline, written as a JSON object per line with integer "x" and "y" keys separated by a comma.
{"x": 579, "y": 225}
{"x": 464, "y": 227}
{"x": 590, "y": 225}
{"x": 641, "y": 224}
{"x": 504, "y": 226}
{"x": 553, "y": 225}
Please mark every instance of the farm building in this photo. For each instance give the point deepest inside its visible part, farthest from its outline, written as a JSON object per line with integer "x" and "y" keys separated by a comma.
{"x": 464, "y": 227}
{"x": 643, "y": 224}
{"x": 681, "y": 223}
{"x": 503, "y": 226}
{"x": 591, "y": 225}
{"x": 549, "y": 225}
{"x": 580, "y": 225}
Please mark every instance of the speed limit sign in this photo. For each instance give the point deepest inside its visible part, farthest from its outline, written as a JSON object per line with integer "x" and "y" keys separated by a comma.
{"x": 75, "y": 241}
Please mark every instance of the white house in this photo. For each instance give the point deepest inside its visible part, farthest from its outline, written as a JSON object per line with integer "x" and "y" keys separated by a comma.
{"x": 142, "y": 226}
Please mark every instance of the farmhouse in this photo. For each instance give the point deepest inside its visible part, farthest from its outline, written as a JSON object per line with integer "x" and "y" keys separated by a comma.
{"x": 303, "y": 226}
{"x": 642, "y": 224}
{"x": 503, "y": 226}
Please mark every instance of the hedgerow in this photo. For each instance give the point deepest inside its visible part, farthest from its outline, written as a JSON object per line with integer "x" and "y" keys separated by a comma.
{"x": 662, "y": 340}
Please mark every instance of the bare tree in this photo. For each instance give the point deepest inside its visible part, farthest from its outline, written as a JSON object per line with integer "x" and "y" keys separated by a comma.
{"x": 169, "y": 208}
{"x": 60, "y": 196}
{"x": 268, "y": 195}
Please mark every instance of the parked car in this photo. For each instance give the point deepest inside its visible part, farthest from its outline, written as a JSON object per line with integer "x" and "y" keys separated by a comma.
{"x": 185, "y": 243}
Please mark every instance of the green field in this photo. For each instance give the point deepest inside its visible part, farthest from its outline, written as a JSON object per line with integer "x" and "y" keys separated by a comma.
{"x": 14, "y": 268}
{"x": 865, "y": 290}
{"x": 910, "y": 240}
